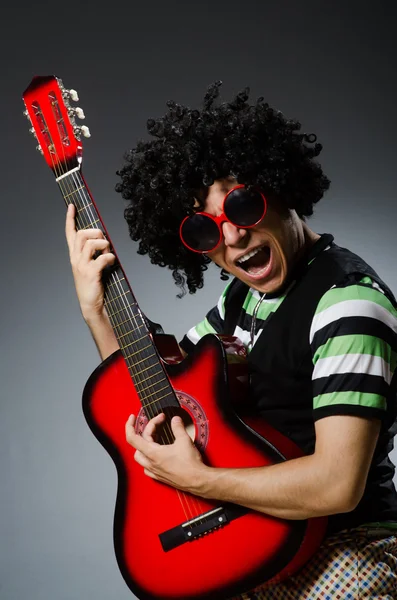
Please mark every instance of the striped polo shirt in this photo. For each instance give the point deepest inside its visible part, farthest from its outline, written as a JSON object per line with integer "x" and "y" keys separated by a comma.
{"x": 353, "y": 338}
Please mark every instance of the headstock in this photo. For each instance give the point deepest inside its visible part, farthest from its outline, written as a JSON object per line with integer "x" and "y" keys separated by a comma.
{"x": 53, "y": 123}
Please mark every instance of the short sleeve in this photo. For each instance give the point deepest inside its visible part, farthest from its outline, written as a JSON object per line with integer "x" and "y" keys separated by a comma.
{"x": 212, "y": 323}
{"x": 353, "y": 340}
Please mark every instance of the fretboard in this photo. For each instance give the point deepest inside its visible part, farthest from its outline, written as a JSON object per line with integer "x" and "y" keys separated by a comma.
{"x": 128, "y": 322}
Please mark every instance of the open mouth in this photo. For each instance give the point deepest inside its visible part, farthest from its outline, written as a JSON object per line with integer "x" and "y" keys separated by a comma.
{"x": 256, "y": 262}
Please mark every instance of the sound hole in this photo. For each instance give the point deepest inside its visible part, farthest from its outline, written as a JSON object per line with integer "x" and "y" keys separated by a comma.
{"x": 165, "y": 435}
{"x": 193, "y": 416}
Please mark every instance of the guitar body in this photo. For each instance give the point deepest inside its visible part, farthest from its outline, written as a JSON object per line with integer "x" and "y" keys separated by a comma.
{"x": 248, "y": 550}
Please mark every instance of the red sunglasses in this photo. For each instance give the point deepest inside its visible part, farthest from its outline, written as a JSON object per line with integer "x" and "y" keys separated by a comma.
{"x": 242, "y": 207}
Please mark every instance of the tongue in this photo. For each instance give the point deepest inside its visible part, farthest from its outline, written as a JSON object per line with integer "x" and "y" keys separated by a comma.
{"x": 258, "y": 262}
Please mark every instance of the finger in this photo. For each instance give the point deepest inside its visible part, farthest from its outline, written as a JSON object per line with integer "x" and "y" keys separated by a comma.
{"x": 135, "y": 440}
{"x": 150, "y": 428}
{"x": 130, "y": 428}
{"x": 150, "y": 474}
{"x": 104, "y": 260}
{"x": 178, "y": 428}
{"x": 92, "y": 246}
{"x": 70, "y": 226}
{"x": 83, "y": 235}
{"x": 142, "y": 460}
{"x": 130, "y": 423}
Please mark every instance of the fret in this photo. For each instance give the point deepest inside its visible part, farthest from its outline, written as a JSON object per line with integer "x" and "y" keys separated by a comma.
{"x": 117, "y": 297}
{"x": 138, "y": 351}
{"x": 147, "y": 378}
{"x": 129, "y": 321}
{"x": 74, "y": 191}
{"x": 121, "y": 309}
{"x": 146, "y": 368}
{"x": 142, "y": 360}
{"x": 158, "y": 399}
{"x": 131, "y": 330}
{"x": 151, "y": 385}
{"x": 85, "y": 206}
{"x": 91, "y": 224}
{"x": 133, "y": 341}
{"x": 115, "y": 282}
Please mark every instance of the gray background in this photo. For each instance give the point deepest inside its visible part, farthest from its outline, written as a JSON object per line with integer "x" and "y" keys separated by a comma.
{"x": 330, "y": 64}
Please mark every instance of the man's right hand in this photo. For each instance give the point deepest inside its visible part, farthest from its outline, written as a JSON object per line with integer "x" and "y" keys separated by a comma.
{"x": 87, "y": 270}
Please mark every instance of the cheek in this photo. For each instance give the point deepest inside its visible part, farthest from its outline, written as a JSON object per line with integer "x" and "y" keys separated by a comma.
{"x": 216, "y": 256}
{"x": 281, "y": 255}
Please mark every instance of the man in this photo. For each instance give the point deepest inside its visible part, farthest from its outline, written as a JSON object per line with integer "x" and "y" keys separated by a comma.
{"x": 233, "y": 184}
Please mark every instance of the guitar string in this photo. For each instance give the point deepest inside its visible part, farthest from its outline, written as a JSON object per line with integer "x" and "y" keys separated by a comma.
{"x": 120, "y": 304}
{"x": 73, "y": 191}
{"x": 82, "y": 213}
{"x": 117, "y": 301}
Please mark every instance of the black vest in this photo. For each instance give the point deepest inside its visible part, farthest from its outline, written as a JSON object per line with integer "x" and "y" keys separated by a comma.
{"x": 281, "y": 369}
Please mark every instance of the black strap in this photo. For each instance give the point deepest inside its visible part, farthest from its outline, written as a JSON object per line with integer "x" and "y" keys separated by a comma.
{"x": 234, "y": 299}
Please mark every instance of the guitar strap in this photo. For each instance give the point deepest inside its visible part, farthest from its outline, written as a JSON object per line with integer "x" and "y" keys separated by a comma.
{"x": 234, "y": 300}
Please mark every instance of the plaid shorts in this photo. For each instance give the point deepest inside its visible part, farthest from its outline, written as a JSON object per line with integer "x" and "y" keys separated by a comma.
{"x": 355, "y": 564}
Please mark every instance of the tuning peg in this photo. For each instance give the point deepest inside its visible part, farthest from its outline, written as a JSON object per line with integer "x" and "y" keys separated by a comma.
{"x": 85, "y": 131}
{"x": 26, "y": 114}
{"x": 70, "y": 94}
{"x": 78, "y": 112}
{"x": 82, "y": 130}
{"x": 74, "y": 96}
{"x": 33, "y": 131}
{"x": 39, "y": 149}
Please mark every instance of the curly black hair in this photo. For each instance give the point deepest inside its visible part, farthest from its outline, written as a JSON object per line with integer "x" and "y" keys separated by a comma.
{"x": 254, "y": 143}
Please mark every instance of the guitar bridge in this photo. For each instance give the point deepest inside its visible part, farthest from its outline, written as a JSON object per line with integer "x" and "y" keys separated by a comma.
{"x": 199, "y": 526}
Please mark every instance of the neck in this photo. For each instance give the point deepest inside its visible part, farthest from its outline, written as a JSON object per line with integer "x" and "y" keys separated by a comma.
{"x": 306, "y": 240}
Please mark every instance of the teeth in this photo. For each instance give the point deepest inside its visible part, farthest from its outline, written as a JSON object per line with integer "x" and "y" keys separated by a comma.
{"x": 249, "y": 255}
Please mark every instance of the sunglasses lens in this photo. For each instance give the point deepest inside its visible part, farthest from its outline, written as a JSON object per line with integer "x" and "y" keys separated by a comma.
{"x": 244, "y": 207}
{"x": 200, "y": 233}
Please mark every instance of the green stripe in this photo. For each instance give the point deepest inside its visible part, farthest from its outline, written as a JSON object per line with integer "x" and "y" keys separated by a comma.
{"x": 354, "y": 292}
{"x": 381, "y": 525}
{"x": 367, "y": 280}
{"x": 357, "y": 344}
{"x": 223, "y": 298}
{"x": 265, "y": 308}
{"x": 204, "y": 327}
{"x": 352, "y": 398}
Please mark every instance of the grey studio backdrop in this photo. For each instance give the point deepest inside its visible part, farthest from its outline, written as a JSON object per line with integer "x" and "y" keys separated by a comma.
{"x": 331, "y": 65}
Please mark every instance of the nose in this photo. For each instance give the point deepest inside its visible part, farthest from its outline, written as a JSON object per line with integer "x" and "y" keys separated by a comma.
{"x": 232, "y": 234}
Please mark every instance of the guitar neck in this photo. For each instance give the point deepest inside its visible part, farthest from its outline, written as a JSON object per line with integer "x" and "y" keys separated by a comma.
{"x": 127, "y": 320}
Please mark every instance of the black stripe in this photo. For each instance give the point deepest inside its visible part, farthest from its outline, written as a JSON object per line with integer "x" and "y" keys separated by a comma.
{"x": 348, "y": 409}
{"x": 214, "y": 318}
{"x": 187, "y": 345}
{"x": 354, "y": 326}
{"x": 351, "y": 382}
{"x": 245, "y": 322}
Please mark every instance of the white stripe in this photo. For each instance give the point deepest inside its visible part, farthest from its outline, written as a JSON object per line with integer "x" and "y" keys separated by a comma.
{"x": 352, "y": 363}
{"x": 193, "y": 336}
{"x": 221, "y": 305}
{"x": 352, "y": 308}
{"x": 377, "y": 287}
{"x": 68, "y": 173}
{"x": 245, "y": 336}
{"x": 257, "y": 296}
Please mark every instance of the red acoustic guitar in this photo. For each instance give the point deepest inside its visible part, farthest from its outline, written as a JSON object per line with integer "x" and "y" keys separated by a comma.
{"x": 169, "y": 544}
